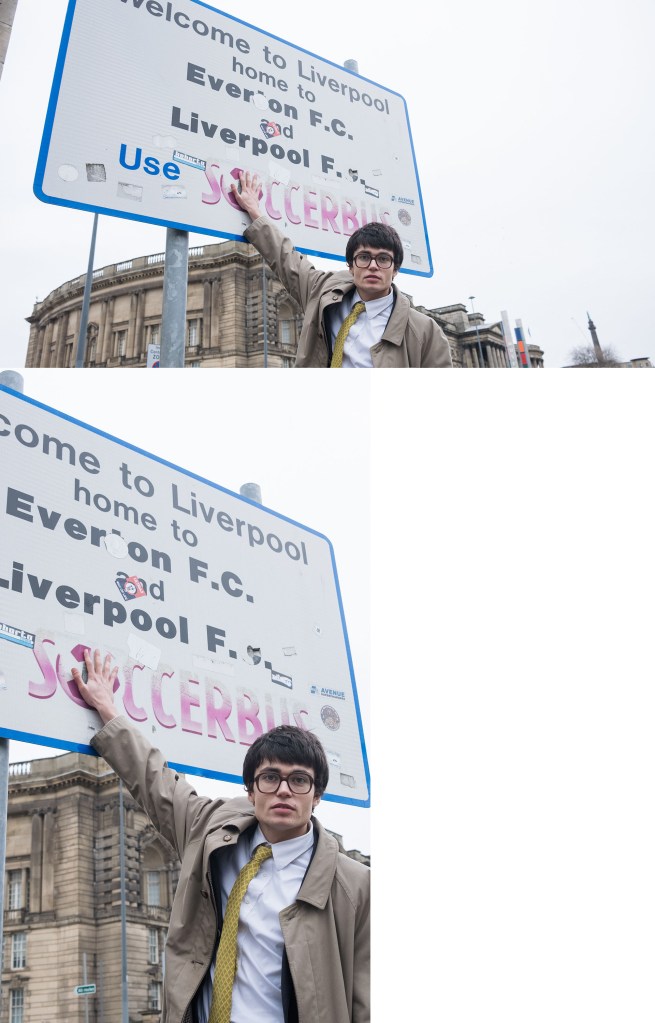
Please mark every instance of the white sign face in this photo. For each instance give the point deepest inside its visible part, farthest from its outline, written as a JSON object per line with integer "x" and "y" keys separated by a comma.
{"x": 157, "y": 105}
{"x": 225, "y": 618}
{"x": 153, "y": 357}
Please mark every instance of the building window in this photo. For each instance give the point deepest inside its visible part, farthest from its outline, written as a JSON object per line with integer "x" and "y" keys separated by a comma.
{"x": 193, "y": 332}
{"x": 16, "y": 1005}
{"x": 286, "y": 332}
{"x": 153, "y": 946}
{"x": 153, "y": 888}
{"x": 154, "y": 335}
{"x": 154, "y": 996}
{"x": 18, "y": 950}
{"x": 120, "y": 342}
{"x": 15, "y": 886}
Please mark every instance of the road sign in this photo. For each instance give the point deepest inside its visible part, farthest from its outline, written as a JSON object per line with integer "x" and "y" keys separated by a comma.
{"x": 155, "y": 107}
{"x": 85, "y": 989}
{"x": 153, "y": 357}
{"x": 224, "y": 616}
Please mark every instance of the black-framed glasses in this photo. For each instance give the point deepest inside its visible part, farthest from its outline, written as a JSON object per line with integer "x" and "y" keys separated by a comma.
{"x": 270, "y": 781}
{"x": 383, "y": 260}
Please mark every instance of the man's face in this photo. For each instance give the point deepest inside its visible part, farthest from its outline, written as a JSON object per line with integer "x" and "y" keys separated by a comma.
{"x": 372, "y": 281}
{"x": 283, "y": 814}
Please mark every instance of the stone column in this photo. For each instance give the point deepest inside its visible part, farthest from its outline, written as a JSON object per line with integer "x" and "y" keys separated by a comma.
{"x": 216, "y": 321}
{"x": 49, "y": 327}
{"x": 139, "y": 333}
{"x": 33, "y": 345}
{"x": 48, "y": 869}
{"x": 131, "y": 326}
{"x": 206, "y": 313}
{"x": 38, "y": 354}
{"x": 105, "y": 341}
{"x": 56, "y": 338}
{"x": 66, "y": 329}
{"x": 36, "y": 860}
{"x": 101, "y": 329}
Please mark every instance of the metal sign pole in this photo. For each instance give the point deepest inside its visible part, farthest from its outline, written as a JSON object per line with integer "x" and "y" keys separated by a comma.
{"x": 265, "y": 313}
{"x": 85, "y": 981}
{"x": 4, "y": 802}
{"x": 14, "y": 380}
{"x": 84, "y": 318}
{"x": 173, "y": 313}
{"x": 121, "y": 853}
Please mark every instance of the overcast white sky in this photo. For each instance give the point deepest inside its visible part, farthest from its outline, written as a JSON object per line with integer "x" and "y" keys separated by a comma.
{"x": 531, "y": 132}
{"x": 277, "y": 438}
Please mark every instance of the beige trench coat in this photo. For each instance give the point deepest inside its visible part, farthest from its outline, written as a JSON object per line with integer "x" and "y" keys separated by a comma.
{"x": 410, "y": 340}
{"x": 326, "y": 930}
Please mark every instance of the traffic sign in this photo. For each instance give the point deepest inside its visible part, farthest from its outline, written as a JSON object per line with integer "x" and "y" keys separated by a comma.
{"x": 85, "y": 989}
{"x": 191, "y": 96}
{"x": 225, "y": 617}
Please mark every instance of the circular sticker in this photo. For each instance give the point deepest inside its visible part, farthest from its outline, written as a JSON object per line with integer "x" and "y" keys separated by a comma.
{"x": 330, "y": 718}
{"x": 68, "y": 173}
{"x": 404, "y": 217}
{"x": 115, "y": 545}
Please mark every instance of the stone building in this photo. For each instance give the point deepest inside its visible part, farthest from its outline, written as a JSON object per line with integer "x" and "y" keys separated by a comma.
{"x": 63, "y": 896}
{"x": 62, "y": 903}
{"x": 226, "y": 325}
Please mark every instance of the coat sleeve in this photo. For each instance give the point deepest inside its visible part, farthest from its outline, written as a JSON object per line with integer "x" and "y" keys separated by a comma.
{"x": 361, "y": 973}
{"x": 293, "y": 270}
{"x": 165, "y": 795}
{"x": 435, "y": 350}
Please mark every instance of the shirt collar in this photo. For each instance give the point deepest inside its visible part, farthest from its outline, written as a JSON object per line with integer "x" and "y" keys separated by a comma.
{"x": 376, "y": 305}
{"x": 285, "y": 853}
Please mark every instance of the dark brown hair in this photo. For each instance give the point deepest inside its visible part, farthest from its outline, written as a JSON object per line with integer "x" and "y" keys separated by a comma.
{"x": 289, "y": 745}
{"x": 378, "y": 236}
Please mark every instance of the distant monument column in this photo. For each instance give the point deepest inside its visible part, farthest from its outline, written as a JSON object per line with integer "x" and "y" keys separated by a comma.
{"x": 594, "y": 337}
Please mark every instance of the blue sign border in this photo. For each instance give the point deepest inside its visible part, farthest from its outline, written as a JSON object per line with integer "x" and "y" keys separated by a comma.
{"x": 52, "y": 109}
{"x": 186, "y": 768}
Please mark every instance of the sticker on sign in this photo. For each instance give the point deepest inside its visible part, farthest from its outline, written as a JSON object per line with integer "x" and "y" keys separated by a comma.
{"x": 206, "y": 96}
{"x": 224, "y": 617}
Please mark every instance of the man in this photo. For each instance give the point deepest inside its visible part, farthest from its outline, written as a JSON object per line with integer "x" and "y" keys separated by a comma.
{"x": 354, "y": 319}
{"x": 260, "y": 874}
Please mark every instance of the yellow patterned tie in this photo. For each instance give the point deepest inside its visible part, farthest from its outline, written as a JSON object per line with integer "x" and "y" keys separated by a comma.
{"x": 226, "y": 957}
{"x": 344, "y": 330}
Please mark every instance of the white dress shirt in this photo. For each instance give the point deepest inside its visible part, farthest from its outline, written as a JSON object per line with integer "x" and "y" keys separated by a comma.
{"x": 256, "y": 994}
{"x": 365, "y": 332}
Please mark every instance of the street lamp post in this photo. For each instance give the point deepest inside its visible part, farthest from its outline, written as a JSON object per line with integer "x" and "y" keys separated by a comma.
{"x": 477, "y": 332}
